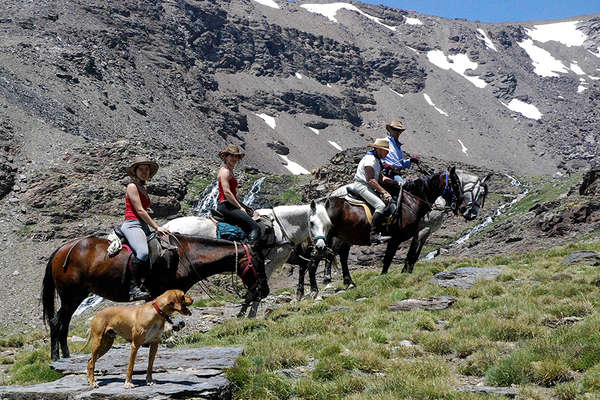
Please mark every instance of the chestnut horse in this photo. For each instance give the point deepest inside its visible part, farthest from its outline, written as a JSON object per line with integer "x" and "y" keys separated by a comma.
{"x": 350, "y": 226}
{"x": 82, "y": 266}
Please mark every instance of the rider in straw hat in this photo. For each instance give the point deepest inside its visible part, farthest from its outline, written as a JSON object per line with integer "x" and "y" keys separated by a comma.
{"x": 137, "y": 223}
{"x": 228, "y": 204}
{"x": 367, "y": 183}
{"x": 394, "y": 162}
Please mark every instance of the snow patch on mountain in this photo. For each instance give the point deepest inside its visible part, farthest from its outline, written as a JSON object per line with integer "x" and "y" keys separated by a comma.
{"x": 412, "y": 21}
{"x": 458, "y": 63}
{"x": 294, "y": 167}
{"x": 334, "y": 144}
{"x": 330, "y": 10}
{"x": 487, "y": 40}
{"x": 399, "y": 94}
{"x": 428, "y": 100}
{"x": 268, "y": 3}
{"x": 268, "y": 119}
{"x": 576, "y": 68}
{"x": 543, "y": 62}
{"x": 527, "y": 110}
{"x": 464, "y": 149}
{"x": 563, "y": 32}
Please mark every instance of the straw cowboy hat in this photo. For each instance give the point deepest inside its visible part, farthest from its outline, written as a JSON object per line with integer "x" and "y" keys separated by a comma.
{"x": 231, "y": 149}
{"x": 395, "y": 125}
{"x": 381, "y": 143}
{"x": 140, "y": 160}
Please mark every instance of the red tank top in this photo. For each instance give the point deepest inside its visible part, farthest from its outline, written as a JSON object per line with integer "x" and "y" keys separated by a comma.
{"x": 130, "y": 211}
{"x": 233, "y": 184}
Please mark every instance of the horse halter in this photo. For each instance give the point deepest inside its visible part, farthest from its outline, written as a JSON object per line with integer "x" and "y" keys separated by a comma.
{"x": 478, "y": 191}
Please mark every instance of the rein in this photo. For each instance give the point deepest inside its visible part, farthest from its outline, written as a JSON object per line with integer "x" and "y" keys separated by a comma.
{"x": 202, "y": 285}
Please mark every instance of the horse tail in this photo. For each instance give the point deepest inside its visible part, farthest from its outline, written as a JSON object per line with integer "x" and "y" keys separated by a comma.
{"x": 48, "y": 291}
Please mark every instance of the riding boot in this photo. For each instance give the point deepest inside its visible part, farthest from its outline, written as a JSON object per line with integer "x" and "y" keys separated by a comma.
{"x": 374, "y": 234}
{"x": 135, "y": 290}
{"x": 254, "y": 235}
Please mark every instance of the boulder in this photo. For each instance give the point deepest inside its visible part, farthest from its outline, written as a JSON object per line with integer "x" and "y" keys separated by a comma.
{"x": 464, "y": 278}
{"x": 582, "y": 257}
{"x": 430, "y": 303}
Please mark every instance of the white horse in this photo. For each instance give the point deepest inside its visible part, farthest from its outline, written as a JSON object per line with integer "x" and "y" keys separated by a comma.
{"x": 292, "y": 225}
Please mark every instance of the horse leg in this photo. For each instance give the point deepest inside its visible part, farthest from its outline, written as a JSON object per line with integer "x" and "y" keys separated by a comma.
{"x": 344, "y": 253}
{"x": 312, "y": 274}
{"x": 67, "y": 308}
{"x": 54, "y": 352}
{"x": 415, "y": 249}
{"x": 390, "y": 252}
{"x": 245, "y": 305}
{"x": 253, "y": 309}
{"x": 416, "y": 246}
{"x": 327, "y": 272}
{"x": 300, "y": 287}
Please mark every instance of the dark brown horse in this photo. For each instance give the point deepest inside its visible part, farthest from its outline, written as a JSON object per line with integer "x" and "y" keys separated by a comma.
{"x": 350, "y": 225}
{"x": 82, "y": 266}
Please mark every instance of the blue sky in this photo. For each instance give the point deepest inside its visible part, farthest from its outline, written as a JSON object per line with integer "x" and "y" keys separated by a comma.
{"x": 497, "y": 10}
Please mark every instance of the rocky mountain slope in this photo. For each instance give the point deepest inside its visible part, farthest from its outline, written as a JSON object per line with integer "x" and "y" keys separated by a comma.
{"x": 84, "y": 86}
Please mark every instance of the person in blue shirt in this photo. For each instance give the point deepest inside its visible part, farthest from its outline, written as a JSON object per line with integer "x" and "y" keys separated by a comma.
{"x": 394, "y": 162}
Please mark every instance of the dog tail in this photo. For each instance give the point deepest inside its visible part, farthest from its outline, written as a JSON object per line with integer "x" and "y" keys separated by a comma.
{"x": 89, "y": 338}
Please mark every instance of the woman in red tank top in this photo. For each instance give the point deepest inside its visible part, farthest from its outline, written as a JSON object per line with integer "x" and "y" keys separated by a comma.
{"x": 228, "y": 203}
{"x": 138, "y": 222}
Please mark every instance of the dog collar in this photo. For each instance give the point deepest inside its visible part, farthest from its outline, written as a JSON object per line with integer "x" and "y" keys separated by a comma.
{"x": 161, "y": 312}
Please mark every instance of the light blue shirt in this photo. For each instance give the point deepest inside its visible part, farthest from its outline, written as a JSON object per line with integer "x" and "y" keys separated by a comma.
{"x": 394, "y": 157}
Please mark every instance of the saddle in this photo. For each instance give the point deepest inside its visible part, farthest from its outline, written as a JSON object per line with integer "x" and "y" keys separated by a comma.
{"x": 228, "y": 231}
{"x": 162, "y": 251}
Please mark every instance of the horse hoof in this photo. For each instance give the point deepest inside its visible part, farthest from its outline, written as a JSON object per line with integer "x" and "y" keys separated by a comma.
{"x": 351, "y": 286}
{"x": 314, "y": 295}
{"x": 329, "y": 286}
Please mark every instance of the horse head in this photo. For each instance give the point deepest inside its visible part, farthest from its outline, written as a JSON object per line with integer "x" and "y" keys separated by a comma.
{"x": 473, "y": 193}
{"x": 320, "y": 224}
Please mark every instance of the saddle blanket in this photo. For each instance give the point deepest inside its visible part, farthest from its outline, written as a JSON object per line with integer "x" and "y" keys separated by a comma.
{"x": 227, "y": 231}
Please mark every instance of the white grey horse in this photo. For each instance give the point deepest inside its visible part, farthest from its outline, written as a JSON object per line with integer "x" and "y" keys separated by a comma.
{"x": 292, "y": 225}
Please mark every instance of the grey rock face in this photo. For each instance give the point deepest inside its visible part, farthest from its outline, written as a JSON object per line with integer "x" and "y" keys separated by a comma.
{"x": 464, "y": 278}
{"x": 177, "y": 372}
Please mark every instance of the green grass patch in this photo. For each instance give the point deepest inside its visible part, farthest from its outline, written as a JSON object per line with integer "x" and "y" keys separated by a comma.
{"x": 33, "y": 367}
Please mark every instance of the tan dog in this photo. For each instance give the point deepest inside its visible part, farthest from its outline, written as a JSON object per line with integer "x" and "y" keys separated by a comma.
{"x": 140, "y": 325}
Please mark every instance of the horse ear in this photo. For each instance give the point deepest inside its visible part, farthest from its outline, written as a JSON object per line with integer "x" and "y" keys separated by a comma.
{"x": 313, "y": 205}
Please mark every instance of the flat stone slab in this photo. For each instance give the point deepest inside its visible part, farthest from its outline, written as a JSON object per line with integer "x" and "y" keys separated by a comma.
{"x": 178, "y": 373}
{"x": 429, "y": 303}
{"x": 464, "y": 278}
{"x": 501, "y": 391}
{"x": 582, "y": 257}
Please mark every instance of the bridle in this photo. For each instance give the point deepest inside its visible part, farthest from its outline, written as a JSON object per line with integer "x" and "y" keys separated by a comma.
{"x": 475, "y": 192}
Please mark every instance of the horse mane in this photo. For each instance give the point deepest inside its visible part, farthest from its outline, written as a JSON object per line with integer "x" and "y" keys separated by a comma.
{"x": 423, "y": 187}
